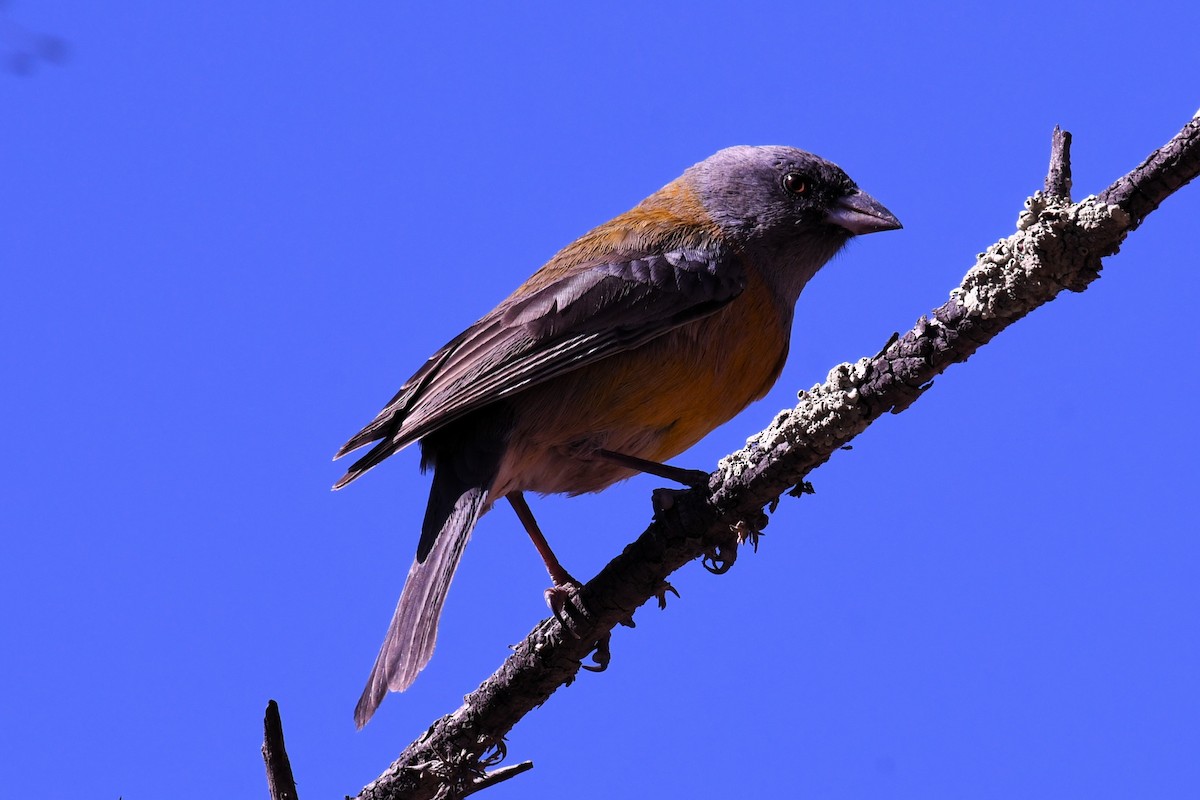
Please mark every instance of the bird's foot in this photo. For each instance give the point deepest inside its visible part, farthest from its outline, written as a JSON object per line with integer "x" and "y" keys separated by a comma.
{"x": 718, "y": 560}
{"x": 661, "y": 593}
{"x": 563, "y": 599}
{"x": 566, "y": 606}
{"x": 601, "y": 655}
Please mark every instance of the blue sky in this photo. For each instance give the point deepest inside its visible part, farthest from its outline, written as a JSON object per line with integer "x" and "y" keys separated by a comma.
{"x": 230, "y": 231}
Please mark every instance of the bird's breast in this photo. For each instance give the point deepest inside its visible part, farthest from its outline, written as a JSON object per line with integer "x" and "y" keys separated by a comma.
{"x": 653, "y": 402}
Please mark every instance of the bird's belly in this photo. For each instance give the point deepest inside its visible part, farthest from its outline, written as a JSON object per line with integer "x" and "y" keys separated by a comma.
{"x": 653, "y": 402}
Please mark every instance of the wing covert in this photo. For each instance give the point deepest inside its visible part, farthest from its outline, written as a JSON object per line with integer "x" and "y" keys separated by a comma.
{"x": 593, "y": 312}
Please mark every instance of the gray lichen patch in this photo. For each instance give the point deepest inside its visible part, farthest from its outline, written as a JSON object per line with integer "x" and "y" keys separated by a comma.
{"x": 826, "y": 416}
{"x": 1057, "y": 245}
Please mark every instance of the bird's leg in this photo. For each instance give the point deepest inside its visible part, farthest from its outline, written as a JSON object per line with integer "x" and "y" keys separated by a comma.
{"x": 695, "y": 478}
{"x": 558, "y": 595}
{"x": 557, "y": 574}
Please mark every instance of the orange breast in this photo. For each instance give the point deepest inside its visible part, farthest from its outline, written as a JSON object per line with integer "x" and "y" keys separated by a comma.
{"x": 653, "y": 402}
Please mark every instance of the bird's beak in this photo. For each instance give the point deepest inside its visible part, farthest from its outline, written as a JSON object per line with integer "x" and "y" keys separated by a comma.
{"x": 860, "y": 213}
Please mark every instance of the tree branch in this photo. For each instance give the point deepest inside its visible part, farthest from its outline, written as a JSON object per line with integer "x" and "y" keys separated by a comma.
{"x": 1057, "y": 245}
{"x": 1058, "y": 177}
{"x": 280, "y": 783}
{"x": 1162, "y": 173}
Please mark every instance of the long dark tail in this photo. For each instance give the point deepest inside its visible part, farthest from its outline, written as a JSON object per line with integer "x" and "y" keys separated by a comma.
{"x": 408, "y": 645}
{"x": 465, "y": 457}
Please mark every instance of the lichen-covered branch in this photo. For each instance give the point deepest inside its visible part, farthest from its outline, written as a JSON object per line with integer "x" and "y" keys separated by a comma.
{"x": 1057, "y": 245}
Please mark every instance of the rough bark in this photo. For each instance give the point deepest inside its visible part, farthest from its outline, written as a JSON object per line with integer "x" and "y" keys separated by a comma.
{"x": 280, "y": 783}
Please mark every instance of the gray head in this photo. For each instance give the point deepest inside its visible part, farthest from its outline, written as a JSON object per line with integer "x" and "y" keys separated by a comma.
{"x": 789, "y": 210}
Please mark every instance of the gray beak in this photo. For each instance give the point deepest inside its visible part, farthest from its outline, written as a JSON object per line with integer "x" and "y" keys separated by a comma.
{"x": 860, "y": 213}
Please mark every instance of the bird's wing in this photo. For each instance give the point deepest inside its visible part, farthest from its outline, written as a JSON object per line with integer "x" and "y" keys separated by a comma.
{"x": 601, "y": 308}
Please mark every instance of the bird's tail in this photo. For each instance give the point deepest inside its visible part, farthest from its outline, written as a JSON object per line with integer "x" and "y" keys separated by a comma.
{"x": 409, "y": 642}
{"x": 465, "y": 457}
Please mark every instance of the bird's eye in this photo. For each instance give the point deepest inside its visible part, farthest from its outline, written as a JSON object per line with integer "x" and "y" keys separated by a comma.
{"x": 797, "y": 183}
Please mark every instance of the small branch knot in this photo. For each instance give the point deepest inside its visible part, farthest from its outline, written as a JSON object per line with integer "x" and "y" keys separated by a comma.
{"x": 1058, "y": 178}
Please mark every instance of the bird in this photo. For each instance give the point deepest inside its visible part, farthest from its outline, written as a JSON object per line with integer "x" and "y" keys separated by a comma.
{"x": 626, "y": 348}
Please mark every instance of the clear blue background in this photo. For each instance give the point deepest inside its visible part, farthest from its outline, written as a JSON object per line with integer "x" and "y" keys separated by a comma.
{"x": 229, "y": 231}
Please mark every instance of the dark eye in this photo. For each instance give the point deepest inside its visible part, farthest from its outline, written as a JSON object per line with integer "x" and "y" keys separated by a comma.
{"x": 797, "y": 183}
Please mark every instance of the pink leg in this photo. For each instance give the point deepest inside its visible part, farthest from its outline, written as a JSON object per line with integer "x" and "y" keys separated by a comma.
{"x": 557, "y": 574}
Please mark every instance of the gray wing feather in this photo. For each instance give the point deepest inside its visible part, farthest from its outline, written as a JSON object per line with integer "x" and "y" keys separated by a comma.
{"x": 603, "y": 309}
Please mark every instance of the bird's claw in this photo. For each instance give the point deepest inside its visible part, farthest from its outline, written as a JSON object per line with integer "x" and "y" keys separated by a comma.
{"x": 601, "y": 656}
{"x": 661, "y": 593}
{"x": 718, "y": 560}
{"x": 562, "y": 599}
{"x": 564, "y": 603}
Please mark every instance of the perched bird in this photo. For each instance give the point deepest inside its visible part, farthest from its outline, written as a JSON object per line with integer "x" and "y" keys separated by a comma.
{"x": 622, "y": 351}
